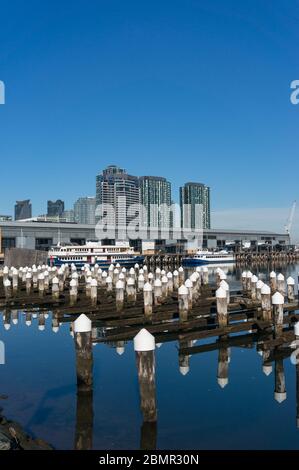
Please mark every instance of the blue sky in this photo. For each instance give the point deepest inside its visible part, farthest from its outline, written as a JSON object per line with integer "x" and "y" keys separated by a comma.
{"x": 187, "y": 89}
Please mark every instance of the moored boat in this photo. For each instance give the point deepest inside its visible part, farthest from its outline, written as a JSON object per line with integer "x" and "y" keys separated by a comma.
{"x": 94, "y": 253}
{"x": 209, "y": 257}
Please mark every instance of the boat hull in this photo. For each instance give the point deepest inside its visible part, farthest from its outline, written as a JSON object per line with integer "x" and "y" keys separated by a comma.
{"x": 204, "y": 262}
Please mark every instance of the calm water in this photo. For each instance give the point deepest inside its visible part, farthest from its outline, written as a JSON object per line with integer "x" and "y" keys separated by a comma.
{"x": 194, "y": 412}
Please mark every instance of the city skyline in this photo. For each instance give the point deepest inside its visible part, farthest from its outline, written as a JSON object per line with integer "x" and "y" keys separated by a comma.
{"x": 202, "y": 106}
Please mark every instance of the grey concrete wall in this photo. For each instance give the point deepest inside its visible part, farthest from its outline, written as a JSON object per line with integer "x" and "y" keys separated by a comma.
{"x": 18, "y": 257}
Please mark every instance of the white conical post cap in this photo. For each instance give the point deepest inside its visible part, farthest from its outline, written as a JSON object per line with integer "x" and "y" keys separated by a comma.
{"x": 259, "y": 284}
{"x": 132, "y": 271}
{"x": 222, "y": 382}
{"x": 222, "y": 276}
{"x": 141, "y": 278}
{"x": 150, "y": 275}
{"x": 188, "y": 283}
{"x": 277, "y": 299}
{"x": 296, "y": 328}
{"x": 82, "y": 324}
{"x": 290, "y": 281}
{"x": 267, "y": 370}
{"x": 131, "y": 282}
{"x": 147, "y": 287}
{"x": 224, "y": 285}
{"x": 280, "y": 396}
{"x": 158, "y": 270}
{"x": 94, "y": 283}
{"x": 244, "y": 274}
{"x": 144, "y": 341}
{"x": 157, "y": 283}
{"x": 109, "y": 280}
{"x": 265, "y": 290}
{"x": 194, "y": 277}
{"x": 254, "y": 279}
{"x": 73, "y": 283}
{"x": 55, "y": 280}
{"x": 249, "y": 274}
{"x": 7, "y": 283}
{"x": 280, "y": 277}
{"x": 120, "y": 284}
{"x": 164, "y": 280}
{"x": 41, "y": 327}
{"x": 169, "y": 275}
{"x": 272, "y": 274}
{"x": 221, "y": 293}
{"x": 181, "y": 269}
{"x": 183, "y": 290}
{"x": 6, "y": 326}
{"x": 175, "y": 273}
{"x": 184, "y": 370}
{"x": 205, "y": 269}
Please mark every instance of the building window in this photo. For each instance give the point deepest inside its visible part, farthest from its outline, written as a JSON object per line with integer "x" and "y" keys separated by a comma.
{"x": 78, "y": 241}
{"x": 43, "y": 244}
{"x": 8, "y": 242}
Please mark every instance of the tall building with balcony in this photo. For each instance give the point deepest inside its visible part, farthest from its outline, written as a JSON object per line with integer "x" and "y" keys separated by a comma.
{"x": 55, "y": 208}
{"x": 23, "y": 209}
{"x": 155, "y": 197}
{"x": 195, "y": 206}
{"x": 116, "y": 192}
{"x": 84, "y": 210}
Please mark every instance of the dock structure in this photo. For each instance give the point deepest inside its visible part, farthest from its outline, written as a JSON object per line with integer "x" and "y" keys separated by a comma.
{"x": 152, "y": 307}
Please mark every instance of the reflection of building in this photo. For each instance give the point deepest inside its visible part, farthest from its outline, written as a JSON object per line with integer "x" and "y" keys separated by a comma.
{"x": 23, "y": 210}
{"x": 195, "y": 206}
{"x": 55, "y": 208}
{"x": 116, "y": 190}
{"x": 155, "y": 197}
{"x": 84, "y": 210}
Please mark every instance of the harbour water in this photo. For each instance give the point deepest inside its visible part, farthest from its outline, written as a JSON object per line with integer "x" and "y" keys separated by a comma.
{"x": 39, "y": 391}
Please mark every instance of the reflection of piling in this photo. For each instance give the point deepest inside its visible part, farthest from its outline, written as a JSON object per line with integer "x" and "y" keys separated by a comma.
{"x": 83, "y": 345}
{"x": 280, "y": 387}
{"x": 223, "y": 363}
{"x": 184, "y": 359}
{"x": 84, "y": 421}
{"x": 148, "y": 440}
{"x": 144, "y": 346}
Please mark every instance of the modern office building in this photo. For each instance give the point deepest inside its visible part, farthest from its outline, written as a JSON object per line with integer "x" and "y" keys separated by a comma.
{"x": 195, "y": 206}
{"x": 5, "y": 218}
{"x": 116, "y": 193}
{"x": 55, "y": 208}
{"x": 23, "y": 210}
{"x": 84, "y": 210}
{"x": 69, "y": 216}
{"x": 155, "y": 197}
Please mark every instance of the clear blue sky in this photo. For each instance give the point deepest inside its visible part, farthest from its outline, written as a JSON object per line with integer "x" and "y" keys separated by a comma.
{"x": 187, "y": 89}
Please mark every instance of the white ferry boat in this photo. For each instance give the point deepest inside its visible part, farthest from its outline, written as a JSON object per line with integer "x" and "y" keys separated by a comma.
{"x": 209, "y": 257}
{"x": 94, "y": 253}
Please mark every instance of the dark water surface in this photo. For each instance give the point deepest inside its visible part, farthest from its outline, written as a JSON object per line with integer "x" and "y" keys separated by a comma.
{"x": 194, "y": 412}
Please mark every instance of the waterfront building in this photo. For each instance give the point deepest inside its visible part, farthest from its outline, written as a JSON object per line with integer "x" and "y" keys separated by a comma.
{"x": 116, "y": 190}
{"x": 69, "y": 216}
{"x": 84, "y": 210}
{"x": 23, "y": 210}
{"x": 55, "y": 208}
{"x": 195, "y": 206}
{"x": 155, "y": 197}
{"x": 5, "y": 218}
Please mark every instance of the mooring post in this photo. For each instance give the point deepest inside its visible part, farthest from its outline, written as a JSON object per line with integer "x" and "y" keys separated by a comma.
{"x": 175, "y": 279}
{"x": 119, "y": 295}
{"x": 183, "y": 298}
{"x": 131, "y": 289}
{"x": 150, "y": 278}
{"x": 291, "y": 289}
{"x": 94, "y": 291}
{"x": 273, "y": 282}
{"x": 28, "y": 282}
{"x": 28, "y": 319}
{"x": 46, "y": 279}
{"x": 158, "y": 292}
{"x": 205, "y": 276}
{"x": 248, "y": 281}
{"x": 15, "y": 279}
{"x": 73, "y": 291}
{"x": 253, "y": 289}
{"x": 55, "y": 288}
{"x": 144, "y": 346}
{"x": 158, "y": 273}
{"x": 281, "y": 284}
{"x": 280, "y": 394}
{"x": 244, "y": 281}
{"x": 41, "y": 322}
{"x": 222, "y": 317}
{"x": 148, "y": 299}
{"x": 266, "y": 303}
{"x": 181, "y": 275}
{"x": 169, "y": 283}
{"x": 189, "y": 285}
{"x": 109, "y": 284}
{"x": 104, "y": 279}
{"x": 278, "y": 303}
{"x": 164, "y": 281}
{"x": 41, "y": 284}
{"x": 115, "y": 276}
{"x": 259, "y": 286}
{"x": 140, "y": 281}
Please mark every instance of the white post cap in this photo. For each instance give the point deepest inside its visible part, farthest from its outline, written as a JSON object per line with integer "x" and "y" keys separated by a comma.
{"x": 280, "y": 277}
{"x": 290, "y": 281}
{"x": 120, "y": 284}
{"x": 221, "y": 293}
{"x": 109, "y": 280}
{"x": 130, "y": 281}
{"x": 249, "y": 274}
{"x": 277, "y": 299}
{"x": 205, "y": 269}
{"x": 7, "y": 283}
{"x": 183, "y": 290}
{"x": 244, "y": 274}
{"x": 188, "y": 283}
{"x": 147, "y": 287}
{"x": 164, "y": 280}
{"x": 175, "y": 273}
{"x": 254, "y": 279}
{"x": 141, "y": 277}
{"x": 169, "y": 275}
{"x": 158, "y": 270}
{"x": 222, "y": 276}
{"x": 144, "y": 341}
{"x": 120, "y": 350}
{"x": 55, "y": 280}
{"x": 94, "y": 283}
{"x": 55, "y": 329}
{"x": 259, "y": 284}
{"x": 224, "y": 285}
{"x": 181, "y": 269}
{"x": 28, "y": 322}
{"x": 296, "y": 328}
{"x": 73, "y": 283}
{"x": 157, "y": 283}
{"x": 82, "y": 324}
{"x": 272, "y": 274}
{"x": 265, "y": 290}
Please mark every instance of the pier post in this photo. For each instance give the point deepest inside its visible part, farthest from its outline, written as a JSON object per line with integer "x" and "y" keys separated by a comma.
{"x": 131, "y": 289}
{"x": 15, "y": 279}
{"x": 291, "y": 289}
{"x": 205, "y": 276}
{"x": 244, "y": 281}
{"x": 183, "y": 299}
{"x": 158, "y": 292}
{"x": 73, "y": 291}
{"x": 55, "y": 288}
{"x": 259, "y": 286}
{"x": 169, "y": 283}
{"x": 266, "y": 303}
{"x": 175, "y": 279}
{"x": 221, "y": 296}
{"x": 254, "y": 280}
{"x": 278, "y": 302}
{"x": 120, "y": 295}
{"x": 94, "y": 291}
{"x": 181, "y": 275}
{"x": 164, "y": 281}
{"x": 189, "y": 285}
{"x": 148, "y": 299}
{"x": 109, "y": 284}
{"x": 28, "y": 282}
{"x": 41, "y": 284}
{"x": 84, "y": 357}
{"x": 273, "y": 282}
{"x": 248, "y": 281}
{"x": 281, "y": 284}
